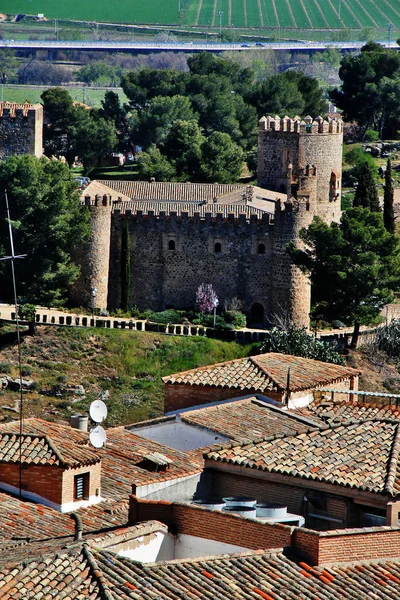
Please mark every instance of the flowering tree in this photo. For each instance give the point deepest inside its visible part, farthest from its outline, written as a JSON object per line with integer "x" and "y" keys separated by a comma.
{"x": 205, "y": 298}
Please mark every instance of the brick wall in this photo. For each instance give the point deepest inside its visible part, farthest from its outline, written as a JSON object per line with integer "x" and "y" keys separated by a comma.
{"x": 177, "y": 396}
{"x": 68, "y": 481}
{"x": 348, "y": 545}
{"x": 207, "y": 524}
{"x": 43, "y": 480}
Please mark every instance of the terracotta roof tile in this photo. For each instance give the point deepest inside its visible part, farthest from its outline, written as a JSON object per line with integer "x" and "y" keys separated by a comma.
{"x": 191, "y": 209}
{"x": 362, "y": 455}
{"x": 326, "y": 411}
{"x": 161, "y": 191}
{"x": 246, "y": 419}
{"x": 265, "y": 372}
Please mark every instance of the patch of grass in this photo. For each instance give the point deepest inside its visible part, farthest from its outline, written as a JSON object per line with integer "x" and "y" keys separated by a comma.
{"x": 129, "y": 364}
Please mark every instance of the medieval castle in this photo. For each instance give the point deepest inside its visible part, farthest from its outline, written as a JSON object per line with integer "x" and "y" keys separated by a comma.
{"x": 21, "y": 129}
{"x": 175, "y": 236}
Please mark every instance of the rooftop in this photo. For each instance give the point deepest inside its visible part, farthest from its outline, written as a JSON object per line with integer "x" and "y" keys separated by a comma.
{"x": 247, "y": 419}
{"x": 326, "y": 411}
{"x": 362, "y": 455}
{"x": 265, "y": 372}
{"x": 95, "y": 574}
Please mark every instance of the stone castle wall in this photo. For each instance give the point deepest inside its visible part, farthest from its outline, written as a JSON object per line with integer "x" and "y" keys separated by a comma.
{"x": 172, "y": 254}
{"x": 21, "y": 129}
{"x": 295, "y": 142}
{"x": 162, "y": 276}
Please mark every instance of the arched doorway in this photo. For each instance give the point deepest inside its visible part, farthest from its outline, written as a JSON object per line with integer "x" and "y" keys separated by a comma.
{"x": 257, "y": 314}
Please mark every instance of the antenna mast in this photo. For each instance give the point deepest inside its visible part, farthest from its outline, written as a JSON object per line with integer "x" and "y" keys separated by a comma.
{"x": 12, "y": 258}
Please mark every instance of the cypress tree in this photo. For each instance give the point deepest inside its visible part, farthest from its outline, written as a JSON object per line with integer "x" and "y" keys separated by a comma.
{"x": 366, "y": 194}
{"x": 388, "y": 199}
{"x": 125, "y": 266}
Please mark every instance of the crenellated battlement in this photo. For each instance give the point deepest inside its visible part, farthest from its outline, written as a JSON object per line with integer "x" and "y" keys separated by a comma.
{"x": 14, "y": 110}
{"x": 308, "y": 125}
{"x": 97, "y": 200}
{"x": 21, "y": 129}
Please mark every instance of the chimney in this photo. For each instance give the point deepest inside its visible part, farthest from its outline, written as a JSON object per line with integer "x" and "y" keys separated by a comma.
{"x": 79, "y": 422}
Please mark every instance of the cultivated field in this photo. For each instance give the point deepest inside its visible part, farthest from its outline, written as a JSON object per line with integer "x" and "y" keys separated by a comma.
{"x": 284, "y": 14}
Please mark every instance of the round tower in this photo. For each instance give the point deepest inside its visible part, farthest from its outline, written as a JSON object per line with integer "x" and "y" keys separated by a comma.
{"x": 301, "y": 142}
{"x": 91, "y": 289}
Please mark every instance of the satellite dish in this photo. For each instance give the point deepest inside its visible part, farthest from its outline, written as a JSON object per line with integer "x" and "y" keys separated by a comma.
{"x": 98, "y": 411}
{"x": 98, "y": 437}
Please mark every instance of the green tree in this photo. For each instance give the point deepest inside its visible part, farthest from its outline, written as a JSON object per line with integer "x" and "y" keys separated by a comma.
{"x": 152, "y": 124}
{"x": 8, "y": 65}
{"x": 154, "y": 164}
{"x": 222, "y": 159}
{"x": 49, "y": 225}
{"x": 366, "y": 194}
{"x": 353, "y": 266}
{"x": 112, "y": 110}
{"x": 388, "y": 199}
{"x": 59, "y": 110}
{"x": 369, "y": 84}
{"x": 143, "y": 85}
{"x": 183, "y": 148}
{"x": 99, "y": 73}
{"x": 297, "y": 342}
{"x": 93, "y": 137}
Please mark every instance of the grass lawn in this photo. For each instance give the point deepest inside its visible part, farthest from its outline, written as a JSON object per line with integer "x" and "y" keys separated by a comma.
{"x": 26, "y": 93}
{"x": 128, "y": 364}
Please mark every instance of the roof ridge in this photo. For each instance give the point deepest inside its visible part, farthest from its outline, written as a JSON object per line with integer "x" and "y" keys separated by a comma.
{"x": 97, "y": 573}
{"x": 293, "y": 415}
{"x": 393, "y": 463}
{"x": 271, "y": 438}
{"x": 264, "y": 371}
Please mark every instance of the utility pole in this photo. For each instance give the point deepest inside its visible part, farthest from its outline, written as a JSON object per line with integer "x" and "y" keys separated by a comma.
{"x": 220, "y": 14}
{"x": 390, "y": 25}
{"x": 340, "y": 6}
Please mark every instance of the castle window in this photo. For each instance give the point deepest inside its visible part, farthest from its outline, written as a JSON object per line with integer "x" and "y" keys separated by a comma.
{"x": 217, "y": 247}
{"x": 171, "y": 245}
{"x": 261, "y": 249}
{"x": 81, "y": 486}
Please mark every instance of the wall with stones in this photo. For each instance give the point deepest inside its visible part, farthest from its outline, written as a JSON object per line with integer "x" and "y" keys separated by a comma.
{"x": 21, "y": 129}
{"x": 162, "y": 277}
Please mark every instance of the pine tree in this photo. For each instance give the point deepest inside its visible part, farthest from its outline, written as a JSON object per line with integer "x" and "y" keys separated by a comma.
{"x": 366, "y": 195}
{"x": 388, "y": 199}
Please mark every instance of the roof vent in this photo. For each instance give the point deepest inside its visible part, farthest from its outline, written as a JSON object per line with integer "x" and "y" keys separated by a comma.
{"x": 154, "y": 462}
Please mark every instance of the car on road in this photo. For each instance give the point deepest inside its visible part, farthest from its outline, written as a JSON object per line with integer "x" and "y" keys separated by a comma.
{"x": 245, "y": 46}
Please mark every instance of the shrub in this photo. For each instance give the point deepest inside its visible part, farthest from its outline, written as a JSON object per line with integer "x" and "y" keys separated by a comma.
{"x": 235, "y": 318}
{"x": 388, "y": 338}
{"x": 26, "y": 370}
{"x": 5, "y": 367}
{"x": 371, "y": 135}
{"x": 297, "y": 342}
{"x": 166, "y": 316}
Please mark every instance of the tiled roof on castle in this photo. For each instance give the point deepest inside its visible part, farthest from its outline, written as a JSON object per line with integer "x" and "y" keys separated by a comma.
{"x": 86, "y": 572}
{"x": 265, "y": 372}
{"x": 362, "y": 455}
{"x": 246, "y": 419}
{"x": 161, "y": 191}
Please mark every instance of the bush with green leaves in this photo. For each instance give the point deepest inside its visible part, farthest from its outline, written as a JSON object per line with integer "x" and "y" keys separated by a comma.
{"x": 235, "y": 318}
{"x": 388, "y": 338}
{"x": 297, "y": 342}
{"x": 166, "y": 316}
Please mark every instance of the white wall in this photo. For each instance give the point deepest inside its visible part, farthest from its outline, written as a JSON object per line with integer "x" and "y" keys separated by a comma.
{"x": 189, "y": 546}
{"x": 151, "y": 548}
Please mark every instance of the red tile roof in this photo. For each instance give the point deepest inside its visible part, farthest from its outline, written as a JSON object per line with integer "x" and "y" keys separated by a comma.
{"x": 326, "y": 411}
{"x": 265, "y": 372}
{"x": 247, "y": 419}
{"x": 363, "y": 455}
{"x": 92, "y": 574}
{"x": 161, "y": 191}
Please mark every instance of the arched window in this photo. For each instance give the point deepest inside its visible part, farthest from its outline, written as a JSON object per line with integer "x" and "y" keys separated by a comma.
{"x": 171, "y": 245}
{"x": 261, "y": 249}
{"x": 217, "y": 247}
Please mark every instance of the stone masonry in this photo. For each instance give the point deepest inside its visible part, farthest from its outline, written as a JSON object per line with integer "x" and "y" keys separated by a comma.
{"x": 21, "y": 129}
{"x": 238, "y": 247}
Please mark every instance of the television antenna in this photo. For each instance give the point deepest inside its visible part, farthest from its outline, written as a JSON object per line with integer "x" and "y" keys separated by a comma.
{"x": 12, "y": 259}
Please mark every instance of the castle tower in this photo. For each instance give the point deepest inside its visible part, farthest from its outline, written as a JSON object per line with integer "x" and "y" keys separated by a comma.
{"x": 317, "y": 142}
{"x": 290, "y": 287}
{"x": 95, "y": 256}
{"x": 21, "y": 129}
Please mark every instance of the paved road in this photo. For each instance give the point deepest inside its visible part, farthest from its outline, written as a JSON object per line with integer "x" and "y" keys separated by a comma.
{"x": 182, "y": 46}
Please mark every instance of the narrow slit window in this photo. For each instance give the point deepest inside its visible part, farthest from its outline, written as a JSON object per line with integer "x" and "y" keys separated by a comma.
{"x": 171, "y": 245}
{"x": 217, "y": 247}
{"x": 261, "y": 249}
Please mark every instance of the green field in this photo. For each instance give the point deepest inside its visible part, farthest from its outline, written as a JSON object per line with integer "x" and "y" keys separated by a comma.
{"x": 88, "y": 95}
{"x": 294, "y": 14}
